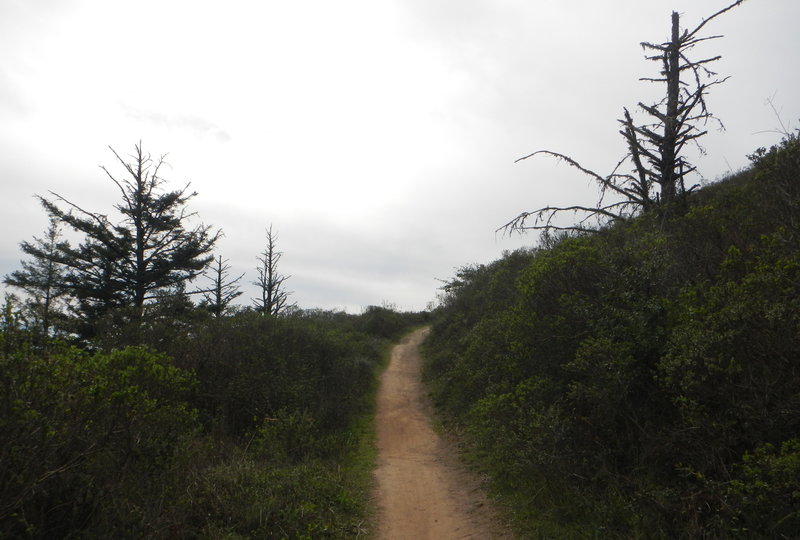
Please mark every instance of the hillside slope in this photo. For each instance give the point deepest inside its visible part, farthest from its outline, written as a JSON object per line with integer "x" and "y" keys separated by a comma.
{"x": 641, "y": 381}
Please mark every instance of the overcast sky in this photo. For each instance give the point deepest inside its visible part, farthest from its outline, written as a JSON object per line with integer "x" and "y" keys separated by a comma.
{"x": 378, "y": 137}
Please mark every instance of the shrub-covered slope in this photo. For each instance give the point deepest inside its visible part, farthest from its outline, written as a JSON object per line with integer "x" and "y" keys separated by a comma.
{"x": 643, "y": 381}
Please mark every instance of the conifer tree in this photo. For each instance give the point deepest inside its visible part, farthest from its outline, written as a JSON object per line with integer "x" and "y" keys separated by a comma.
{"x": 148, "y": 251}
{"x": 42, "y": 277}
{"x": 223, "y": 290}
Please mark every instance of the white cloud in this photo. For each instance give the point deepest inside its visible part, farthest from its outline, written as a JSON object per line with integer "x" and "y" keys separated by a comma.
{"x": 377, "y": 136}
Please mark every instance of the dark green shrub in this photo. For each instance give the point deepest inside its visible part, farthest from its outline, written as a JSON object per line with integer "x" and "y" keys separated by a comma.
{"x": 764, "y": 497}
{"x": 85, "y": 437}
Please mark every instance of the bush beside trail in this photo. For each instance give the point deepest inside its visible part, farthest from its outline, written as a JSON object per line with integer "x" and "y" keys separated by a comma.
{"x": 179, "y": 425}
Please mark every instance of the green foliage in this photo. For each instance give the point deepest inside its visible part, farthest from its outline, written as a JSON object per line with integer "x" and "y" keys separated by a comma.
{"x": 250, "y": 367}
{"x": 84, "y": 434}
{"x": 731, "y": 369}
{"x": 763, "y": 498}
{"x": 42, "y": 280}
{"x": 383, "y": 322}
{"x": 241, "y": 498}
{"x": 239, "y": 427}
{"x": 478, "y": 295}
{"x": 641, "y": 381}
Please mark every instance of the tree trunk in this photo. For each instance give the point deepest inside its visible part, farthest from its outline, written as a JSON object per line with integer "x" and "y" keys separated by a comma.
{"x": 668, "y": 150}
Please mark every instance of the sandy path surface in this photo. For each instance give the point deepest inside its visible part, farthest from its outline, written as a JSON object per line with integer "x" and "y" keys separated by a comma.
{"x": 422, "y": 490}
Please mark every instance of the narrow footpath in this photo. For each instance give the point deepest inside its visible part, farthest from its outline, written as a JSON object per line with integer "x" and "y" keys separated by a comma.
{"x": 423, "y": 492}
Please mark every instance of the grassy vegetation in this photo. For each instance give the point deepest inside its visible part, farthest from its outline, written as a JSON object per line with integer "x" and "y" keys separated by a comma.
{"x": 641, "y": 381}
{"x": 180, "y": 425}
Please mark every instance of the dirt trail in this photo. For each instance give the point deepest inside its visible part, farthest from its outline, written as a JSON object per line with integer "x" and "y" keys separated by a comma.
{"x": 422, "y": 490}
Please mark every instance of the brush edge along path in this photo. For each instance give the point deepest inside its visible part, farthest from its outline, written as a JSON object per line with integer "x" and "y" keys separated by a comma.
{"x": 423, "y": 492}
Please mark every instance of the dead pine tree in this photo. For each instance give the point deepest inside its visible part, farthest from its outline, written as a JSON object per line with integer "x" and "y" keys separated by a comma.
{"x": 270, "y": 282}
{"x": 223, "y": 290}
{"x": 656, "y": 146}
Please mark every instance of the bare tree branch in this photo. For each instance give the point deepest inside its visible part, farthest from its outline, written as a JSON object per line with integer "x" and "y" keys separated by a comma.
{"x": 273, "y": 295}
{"x": 655, "y": 148}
